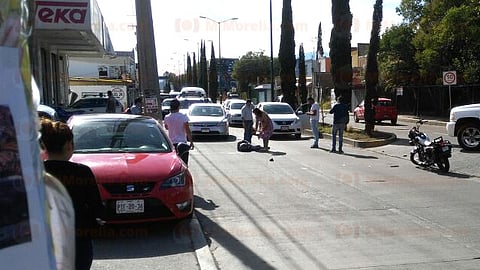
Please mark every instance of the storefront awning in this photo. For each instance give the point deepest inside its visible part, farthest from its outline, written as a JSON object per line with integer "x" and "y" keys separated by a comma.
{"x": 75, "y": 28}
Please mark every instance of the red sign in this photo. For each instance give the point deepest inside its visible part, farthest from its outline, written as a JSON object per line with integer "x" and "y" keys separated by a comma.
{"x": 449, "y": 78}
{"x": 62, "y": 12}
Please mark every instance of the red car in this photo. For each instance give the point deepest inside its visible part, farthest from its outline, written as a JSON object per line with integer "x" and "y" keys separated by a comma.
{"x": 384, "y": 110}
{"x": 139, "y": 175}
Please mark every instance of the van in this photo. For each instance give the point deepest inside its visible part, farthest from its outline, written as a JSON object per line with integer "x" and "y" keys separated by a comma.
{"x": 192, "y": 92}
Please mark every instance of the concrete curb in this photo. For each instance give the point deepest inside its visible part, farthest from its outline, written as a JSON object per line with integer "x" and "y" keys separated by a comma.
{"x": 361, "y": 144}
{"x": 202, "y": 250}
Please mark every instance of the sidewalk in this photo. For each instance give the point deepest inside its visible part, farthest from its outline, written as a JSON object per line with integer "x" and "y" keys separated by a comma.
{"x": 437, "y": 121}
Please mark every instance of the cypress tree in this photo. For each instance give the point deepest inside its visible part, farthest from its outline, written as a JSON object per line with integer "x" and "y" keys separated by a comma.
{"x": 340, "y": 49}
{"x": 302, "y": 75}
{"x": 286, "y": 55}
{"x": 212, "y": 77}
{"x": 189, "y": 71}
{"x": 371, "y": 72}
{"x": 194, "y": 72}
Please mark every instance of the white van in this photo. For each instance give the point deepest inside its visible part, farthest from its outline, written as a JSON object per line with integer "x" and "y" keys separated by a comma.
{"x": 192, "y": 92}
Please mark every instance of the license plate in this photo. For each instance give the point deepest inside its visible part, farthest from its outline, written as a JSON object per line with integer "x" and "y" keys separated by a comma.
{"x": 205, "y": 130}
{"x": 445, "y": 148}
{"x": 285, "y": 128}
{"x": 130, "y": 206}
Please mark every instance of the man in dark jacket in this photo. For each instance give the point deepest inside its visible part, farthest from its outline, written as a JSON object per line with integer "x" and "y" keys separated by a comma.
{"x": 340, "y": 119}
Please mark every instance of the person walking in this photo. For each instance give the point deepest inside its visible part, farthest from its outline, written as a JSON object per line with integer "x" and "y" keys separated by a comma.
{"x": 314, "y": 118}
{"x": 340, "y": 119}
{"x": 79, "y": 180}
{"x": 137, "y": 106}
{"x": 111, "y": 103}
{"x": 264, "y": 126}
{"x": 247, "y": 120}
{"x": 178, "y": 130}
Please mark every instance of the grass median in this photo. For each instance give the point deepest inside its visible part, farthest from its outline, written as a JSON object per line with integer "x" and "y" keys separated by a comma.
{"x": 355, "y": 133}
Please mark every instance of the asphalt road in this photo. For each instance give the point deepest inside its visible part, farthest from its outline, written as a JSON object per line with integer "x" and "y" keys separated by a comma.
{"x": 300, "y": 208}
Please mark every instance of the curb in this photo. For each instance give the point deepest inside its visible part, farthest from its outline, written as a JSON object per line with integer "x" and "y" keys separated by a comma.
{"x": 202, "y": 250}
{"x": 361, "y": 144}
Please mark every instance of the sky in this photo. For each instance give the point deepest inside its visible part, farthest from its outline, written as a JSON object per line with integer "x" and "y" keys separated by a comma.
{"x": 178, "y": 28}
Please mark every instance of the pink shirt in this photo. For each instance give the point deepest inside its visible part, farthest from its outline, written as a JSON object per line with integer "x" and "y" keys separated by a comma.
{"x": 174, "y": 123}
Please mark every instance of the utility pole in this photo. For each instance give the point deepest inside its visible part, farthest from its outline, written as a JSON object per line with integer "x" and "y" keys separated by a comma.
{"x": 147, "y": 60}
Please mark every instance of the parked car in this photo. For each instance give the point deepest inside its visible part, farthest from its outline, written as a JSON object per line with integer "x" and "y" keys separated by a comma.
{"x": 139, "y": 175}
{"x": 47, "y": 112}
{"x": 192, "y": 91}
{"x": 187, "y": 101}
{"x": 284, "y": 119}
{"x": 384, "y": 110}
{"x": 92, "y": 105}
{"x": 166, "y": 106}
{"x": 234, "y": 111}
{"x": 208, "y": 119}
{"x": 465, "y": 125}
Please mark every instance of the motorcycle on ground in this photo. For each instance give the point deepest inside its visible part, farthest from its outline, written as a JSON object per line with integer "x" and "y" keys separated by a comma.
{"x": 428, "y": 153}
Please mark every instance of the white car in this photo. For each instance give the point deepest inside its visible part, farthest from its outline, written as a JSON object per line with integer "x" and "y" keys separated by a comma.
{"x": 284, "y": 119}
{"x": 234, "y": 111}
{"x": 208, "y": 119}
{"x": 92, "y": 105}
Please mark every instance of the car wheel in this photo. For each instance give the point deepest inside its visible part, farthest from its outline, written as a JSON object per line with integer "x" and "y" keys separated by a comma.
{"x": 298, "y": 136}
{"x": 469, "y": 136}
{"x": 394, "y": 121}
{"x": 355, "y": 118}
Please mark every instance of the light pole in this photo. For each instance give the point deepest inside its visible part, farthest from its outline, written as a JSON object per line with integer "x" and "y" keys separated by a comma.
{"x": 219, "y": 50}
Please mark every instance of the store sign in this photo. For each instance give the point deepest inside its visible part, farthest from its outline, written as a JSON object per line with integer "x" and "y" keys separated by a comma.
{"x": 58, "y": 15}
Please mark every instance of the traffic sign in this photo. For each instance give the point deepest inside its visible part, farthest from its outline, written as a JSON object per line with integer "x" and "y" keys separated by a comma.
{"x": 449, "y": 78}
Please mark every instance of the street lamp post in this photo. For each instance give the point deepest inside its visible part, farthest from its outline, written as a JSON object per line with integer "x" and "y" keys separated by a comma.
{"x": 219, "y": 50}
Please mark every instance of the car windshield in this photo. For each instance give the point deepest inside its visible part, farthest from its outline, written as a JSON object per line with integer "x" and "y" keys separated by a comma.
{"x": 277, "y": 109}
{"x": 206, "y": 111}
{"x": 385, "y": 103}
{"x": 237, "y": 105}
{"x": 184, "y": 104}
{"x": 119, "y": 135}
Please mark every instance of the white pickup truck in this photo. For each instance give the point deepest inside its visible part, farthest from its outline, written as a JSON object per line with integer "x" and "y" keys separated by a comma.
{"x": 465, "y": 125}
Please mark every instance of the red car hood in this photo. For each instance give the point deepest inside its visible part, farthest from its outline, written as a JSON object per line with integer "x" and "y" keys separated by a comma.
{"x": 131, "y": 167}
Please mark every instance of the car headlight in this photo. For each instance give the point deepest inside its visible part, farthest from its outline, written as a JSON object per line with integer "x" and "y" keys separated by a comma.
{"x": 453, "y": 117}
{"x": 174, "y": 181}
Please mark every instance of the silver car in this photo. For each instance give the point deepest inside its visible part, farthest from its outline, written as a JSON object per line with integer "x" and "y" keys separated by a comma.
{"x": 206, "y": 119}
{"x": 284, "y": 119}
{"x": 234, "y": 111}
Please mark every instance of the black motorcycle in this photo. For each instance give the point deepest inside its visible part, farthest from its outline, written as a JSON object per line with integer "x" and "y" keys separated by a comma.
{"x": 428, "y": 153}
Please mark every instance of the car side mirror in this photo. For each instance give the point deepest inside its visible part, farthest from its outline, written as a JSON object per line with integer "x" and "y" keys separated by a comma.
{"x": 300, "y": 112}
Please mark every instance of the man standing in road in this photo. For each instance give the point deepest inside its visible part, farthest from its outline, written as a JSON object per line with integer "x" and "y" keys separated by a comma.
{"x": 340, "y": 120}
{"x": 178, "y": 130}
{"x": 247, "y": 120}
{"x": 111, "y": 103}
{"x": 314, "y": 118}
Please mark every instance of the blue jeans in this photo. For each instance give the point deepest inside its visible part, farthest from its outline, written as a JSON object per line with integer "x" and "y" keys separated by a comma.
{"x": 316, "y": 135}
{"x": 337, "y": 128}
{"x": 247, "y": 133}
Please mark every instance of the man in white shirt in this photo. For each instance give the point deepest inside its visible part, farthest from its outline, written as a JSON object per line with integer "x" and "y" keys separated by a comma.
{"x": 314, "y": 118}
{"x": 247, "y": 120}
{"x": 178, "y": 129}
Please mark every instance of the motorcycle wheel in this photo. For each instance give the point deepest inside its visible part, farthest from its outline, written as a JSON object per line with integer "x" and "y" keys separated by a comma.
{"x": 415, "y": 158}
{"x": 444, "y": 164}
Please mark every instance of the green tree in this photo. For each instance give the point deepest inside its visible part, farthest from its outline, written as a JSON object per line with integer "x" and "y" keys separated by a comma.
{"x": 371, "y": 72}
{"x": 302, "y": 75}
{"x": 203, "y": 74}
{"x": 286, "y": 55}
{"x": 340, "y": 49}
{"x": 194, "y": 81}
{"x": 189, "y": 71}
{"x": 397, "y": 57}
{"x": 212, "y": 77}
{"x": 253, "y": 68}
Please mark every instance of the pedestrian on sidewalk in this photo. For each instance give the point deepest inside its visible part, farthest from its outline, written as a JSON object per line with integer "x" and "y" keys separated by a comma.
{"x": 264, "y": 126}
{"x": 340, "y": 120}
{"x": 314, "y": 118}
{"x": 247, "y": 120}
